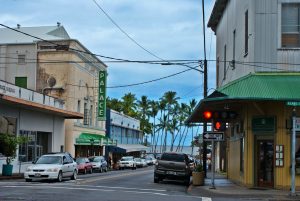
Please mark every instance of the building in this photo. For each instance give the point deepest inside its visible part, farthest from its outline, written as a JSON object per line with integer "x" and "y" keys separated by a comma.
{"x": 257, "y": 49}
{"x": 61, "y": 67}
{"x": 38, "y": 117}
{"x": 126, "y": 132}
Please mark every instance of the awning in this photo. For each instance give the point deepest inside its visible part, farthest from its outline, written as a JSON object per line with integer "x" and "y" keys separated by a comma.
{"x": 125, "y": 148}
{"x": 253, "y": 87}
{"x": 94, "y": 139}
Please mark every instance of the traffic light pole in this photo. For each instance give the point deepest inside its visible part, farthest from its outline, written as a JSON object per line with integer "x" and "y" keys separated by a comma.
{"x": 204, "y": 157}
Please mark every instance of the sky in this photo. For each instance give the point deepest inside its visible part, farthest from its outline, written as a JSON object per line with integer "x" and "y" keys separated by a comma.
{"x": 169, "y": 29}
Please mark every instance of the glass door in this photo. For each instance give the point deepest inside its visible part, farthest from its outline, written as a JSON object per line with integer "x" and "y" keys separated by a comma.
{"x": 265, "y": 163}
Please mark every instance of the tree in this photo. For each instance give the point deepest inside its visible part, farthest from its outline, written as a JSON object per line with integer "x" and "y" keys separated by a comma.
{"x": 153, "y": 114}
{"x": 114, "y": 104}
{"x": 9, "y": 145}
{"x": 129, "y": 104}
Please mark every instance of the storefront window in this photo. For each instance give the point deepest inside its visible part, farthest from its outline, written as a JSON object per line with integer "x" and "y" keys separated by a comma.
{"x": 36, "y": 146}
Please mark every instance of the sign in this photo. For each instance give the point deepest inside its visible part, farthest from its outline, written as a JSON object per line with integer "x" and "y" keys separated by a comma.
{"x": 293, "y": 103}
{"x": 216, "y": 136}
{"x": 102, "y": 96}
{"x": 264, "y": 124}
{"x": 297, "y": 125}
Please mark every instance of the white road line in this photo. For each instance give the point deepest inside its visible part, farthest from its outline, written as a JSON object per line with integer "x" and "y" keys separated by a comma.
{"x": 107, "y": 190}
{"x": 206, "y": 199}
{"x": 126, "y": 188}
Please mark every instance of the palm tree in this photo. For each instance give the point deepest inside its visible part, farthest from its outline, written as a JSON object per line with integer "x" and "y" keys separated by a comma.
{"x": 163, "y": 127}
{"x": 114, "y": 104}
{"x": 171, "y": 99}
{"x": 173, "y": 128}
{"x": 153, "y": 114}
{"x": 143, "y": 106}
{"x": 129, "y": 104}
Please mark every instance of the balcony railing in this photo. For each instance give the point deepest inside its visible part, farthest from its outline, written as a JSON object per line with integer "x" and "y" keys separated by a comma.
{"x": 29, "y": 95}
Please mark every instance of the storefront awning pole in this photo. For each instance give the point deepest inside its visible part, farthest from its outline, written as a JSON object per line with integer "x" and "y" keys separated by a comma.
{"x": 293, "y": 193}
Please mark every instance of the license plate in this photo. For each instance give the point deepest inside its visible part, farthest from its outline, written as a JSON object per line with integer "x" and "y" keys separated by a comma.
{"x": 171, "y": 172}
{"x": 37, "y": 174}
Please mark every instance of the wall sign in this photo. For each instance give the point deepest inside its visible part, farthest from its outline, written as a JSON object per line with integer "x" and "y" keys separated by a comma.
{"x": 279, "y": 157}
{"x": 102, "y": 96}
{"x": 264, "y": 124}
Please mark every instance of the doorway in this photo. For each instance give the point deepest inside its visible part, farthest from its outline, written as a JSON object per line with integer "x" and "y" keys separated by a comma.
{"x": 265, "y": 163}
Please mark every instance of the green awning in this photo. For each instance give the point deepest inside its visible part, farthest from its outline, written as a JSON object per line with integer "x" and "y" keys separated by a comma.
{"x": 253, "y": 87}
{"x": 94, "y": 139}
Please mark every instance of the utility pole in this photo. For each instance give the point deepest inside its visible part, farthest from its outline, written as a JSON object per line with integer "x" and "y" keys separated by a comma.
{"x": 204, "y": 92}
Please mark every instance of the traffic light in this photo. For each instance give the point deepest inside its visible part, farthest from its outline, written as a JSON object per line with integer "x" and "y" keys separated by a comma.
{"x": 219, "y": 115}
{"x": 219, "y": 126}
{"x": 207, "y": 115}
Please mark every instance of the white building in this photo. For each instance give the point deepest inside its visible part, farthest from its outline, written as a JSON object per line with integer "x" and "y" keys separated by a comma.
{"x": 38, "y": 117}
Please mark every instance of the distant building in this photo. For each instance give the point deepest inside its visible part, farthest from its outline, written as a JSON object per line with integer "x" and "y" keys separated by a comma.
{"x": 60, "y": 67}
{"x": 126, "y": 132}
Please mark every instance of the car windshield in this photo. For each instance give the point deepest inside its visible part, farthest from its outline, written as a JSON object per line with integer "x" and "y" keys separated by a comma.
{"x": 49, "y": 160}
{"x": 96, "y": 159}
{"x": 80, "y": 160}
{"x": 173, "y": 157}
{"x": 126, "y": 159}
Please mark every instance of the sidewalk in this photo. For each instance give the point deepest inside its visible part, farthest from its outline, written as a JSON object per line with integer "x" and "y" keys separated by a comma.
{"x": 225, "y": 188}
{"x": 14, "y": 176}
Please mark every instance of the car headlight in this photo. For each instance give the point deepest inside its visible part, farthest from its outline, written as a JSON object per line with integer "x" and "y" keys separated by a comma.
{"x": 28, "y": 169}
{"x": 52, "y": 170}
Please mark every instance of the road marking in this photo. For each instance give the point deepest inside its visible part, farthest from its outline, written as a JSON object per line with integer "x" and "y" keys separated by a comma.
{"x": 113, "y": 177}
{"x": 105, "y": 190}
{"x": 126, "y": 188}
{"x": 206, "y": 199}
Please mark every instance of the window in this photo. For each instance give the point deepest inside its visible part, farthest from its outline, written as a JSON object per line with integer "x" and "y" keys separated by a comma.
{"x": 233, "y": 51}
{"x": 78, "y": 109}
{"x": 246, "y": 32}
{"x": 85, "y": 115}
{"x": 21, "y": 82}
{"x": 218, "y": 71}
{"x": 21, "y": 59}
{"x": 290, "y": 17}
{"x": 91, "y": 115}
{"x": 242, "y": 148}
{"x": 224, "y": 63}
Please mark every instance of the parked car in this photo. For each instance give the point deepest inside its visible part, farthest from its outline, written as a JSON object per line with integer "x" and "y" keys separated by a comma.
{"x": 127, "y": 162}
{"x": 173, "y": 166}
{"x": 52, "y": 166}
{"x": 150, "y": 160}
{"x": 140, "y": 162}
{"x": 84, "y": 165}
{"x": 99, "y": 163}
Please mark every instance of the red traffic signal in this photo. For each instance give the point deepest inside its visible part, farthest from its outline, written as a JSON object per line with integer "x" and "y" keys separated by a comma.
{"x": 207, "y": 115}
{"x": 219, "y": 126}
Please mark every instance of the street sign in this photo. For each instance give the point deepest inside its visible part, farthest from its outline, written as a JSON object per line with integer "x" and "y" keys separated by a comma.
{"x": 293, "y": 103}
{"x": 216, "y": 136}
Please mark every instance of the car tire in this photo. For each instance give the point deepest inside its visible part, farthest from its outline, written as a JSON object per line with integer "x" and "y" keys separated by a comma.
{"x": 74, "y": 176}
{"x": 59, "y": 176}
{"x": 28, "y": 180}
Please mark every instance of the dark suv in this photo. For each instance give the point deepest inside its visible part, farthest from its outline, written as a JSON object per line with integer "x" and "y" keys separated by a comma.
{"x": 173, "y": 166}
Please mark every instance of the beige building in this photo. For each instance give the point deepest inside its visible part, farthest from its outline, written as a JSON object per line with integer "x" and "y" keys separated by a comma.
{"x": 60, "y": 67}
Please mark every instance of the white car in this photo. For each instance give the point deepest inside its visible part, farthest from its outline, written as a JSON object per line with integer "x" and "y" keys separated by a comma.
{"x": 140, "y": 162}
{"x": 127, "y": 162}
{"x": 52, "y": 166}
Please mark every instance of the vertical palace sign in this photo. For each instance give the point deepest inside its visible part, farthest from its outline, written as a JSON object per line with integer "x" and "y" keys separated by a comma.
{"x": 102, "y": 96}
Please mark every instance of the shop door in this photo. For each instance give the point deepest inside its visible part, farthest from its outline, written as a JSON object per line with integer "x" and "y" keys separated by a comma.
{"x": 265, "y": 163}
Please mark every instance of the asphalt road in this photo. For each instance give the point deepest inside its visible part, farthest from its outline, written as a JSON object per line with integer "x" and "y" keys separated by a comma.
{"x": 126, "y": 185}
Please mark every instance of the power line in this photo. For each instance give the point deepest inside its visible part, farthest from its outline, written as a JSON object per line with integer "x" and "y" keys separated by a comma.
{"x": 124, "y": 32}
{"x": 134, "y": 41}
{"x": 58, "y": 46}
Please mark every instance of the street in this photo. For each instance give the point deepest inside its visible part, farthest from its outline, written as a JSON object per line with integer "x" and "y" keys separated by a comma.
{"x": 127, "y": 185}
